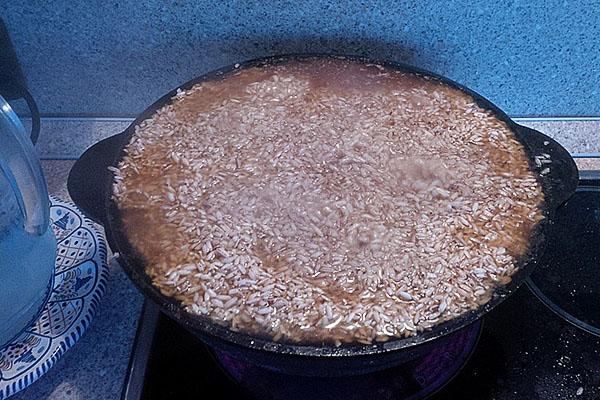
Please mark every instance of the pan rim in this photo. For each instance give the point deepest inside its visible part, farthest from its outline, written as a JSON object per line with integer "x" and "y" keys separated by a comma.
{"x": 133, "y": 264}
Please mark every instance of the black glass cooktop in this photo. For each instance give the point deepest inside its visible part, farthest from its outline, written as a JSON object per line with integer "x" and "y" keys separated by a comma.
{"x": 569, "y": 279}
{"x": 532, "y": 346}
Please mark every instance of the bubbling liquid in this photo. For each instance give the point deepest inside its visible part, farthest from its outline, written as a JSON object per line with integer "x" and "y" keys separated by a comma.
{"x": 327, "y": 200}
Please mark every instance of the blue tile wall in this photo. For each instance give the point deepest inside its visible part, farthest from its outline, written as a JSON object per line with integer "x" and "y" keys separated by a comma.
{"x": 113, "y": 58}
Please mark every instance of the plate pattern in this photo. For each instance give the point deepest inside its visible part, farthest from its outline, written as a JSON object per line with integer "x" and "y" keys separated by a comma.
{"x": 80, "y": 276}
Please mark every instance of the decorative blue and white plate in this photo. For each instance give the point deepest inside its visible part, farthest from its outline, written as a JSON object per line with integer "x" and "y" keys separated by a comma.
{"x": 79, "y": 281}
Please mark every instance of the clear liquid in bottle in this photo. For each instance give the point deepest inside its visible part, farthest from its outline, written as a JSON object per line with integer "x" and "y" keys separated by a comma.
{"x": 26, "y": 268}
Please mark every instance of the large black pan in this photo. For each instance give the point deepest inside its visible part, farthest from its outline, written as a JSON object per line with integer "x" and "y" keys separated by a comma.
{"x": 90, "y": 187}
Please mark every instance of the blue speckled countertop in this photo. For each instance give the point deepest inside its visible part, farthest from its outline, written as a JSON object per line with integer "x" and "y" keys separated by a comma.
{"x": 531, "y": 57}
{"x": 95, "y": 367}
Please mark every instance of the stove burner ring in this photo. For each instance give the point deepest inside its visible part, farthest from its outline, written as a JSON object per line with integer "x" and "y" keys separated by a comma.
{"x": 414, "y": 380}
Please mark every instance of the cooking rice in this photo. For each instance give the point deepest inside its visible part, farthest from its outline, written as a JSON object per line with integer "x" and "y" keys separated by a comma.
{"x": 327, "y": 201}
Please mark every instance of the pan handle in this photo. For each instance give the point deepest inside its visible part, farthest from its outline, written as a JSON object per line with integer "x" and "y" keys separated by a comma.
{"x": 562, "y": 177}
{"x": 87, "y": 179}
